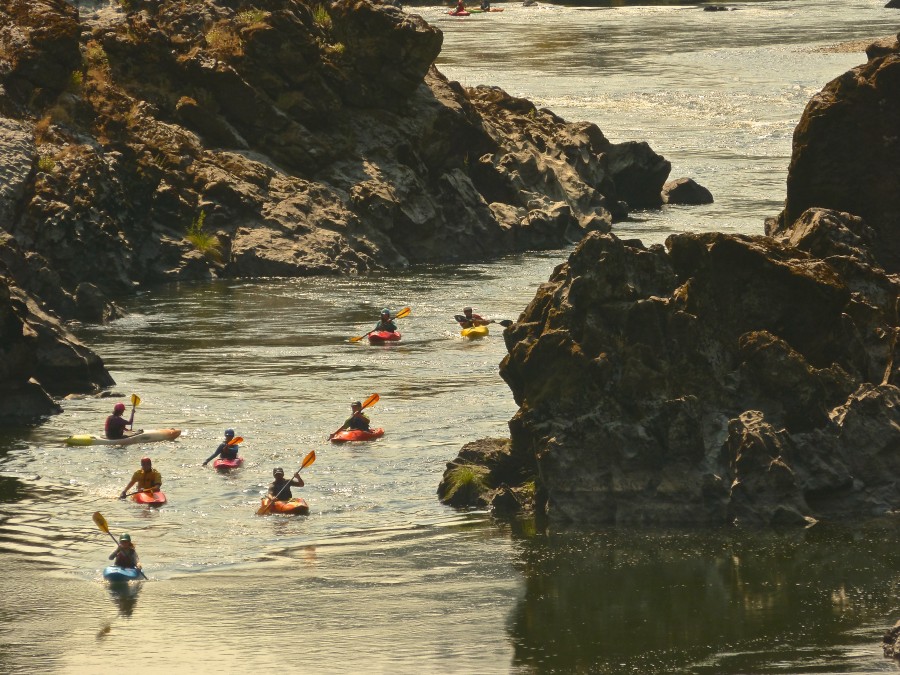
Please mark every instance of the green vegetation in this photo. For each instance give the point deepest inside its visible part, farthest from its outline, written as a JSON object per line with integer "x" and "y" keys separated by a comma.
{"x": 224, "y": 41}
{"x": 251, "y": 16}
{"x": 470, "y": 479}
{"x": 76, "y": 79}
{"x": 321, "y": 17}
{"x": 337, "y": 48}
{"x": 46, "y": 163}
{"x": 205, "y": 242}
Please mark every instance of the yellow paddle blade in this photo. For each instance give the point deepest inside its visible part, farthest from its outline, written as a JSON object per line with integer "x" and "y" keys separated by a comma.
{"x": 100, "y": 521}
{"x": 403, "y": 312}
{"x": 235, "y": 440}
{"x": 357, "y": 339}
{"x": 135, "y": 400}
{"x": 309, "y": 459}
{"x": 372, "y": 400}
{"x": 264, "y": 509}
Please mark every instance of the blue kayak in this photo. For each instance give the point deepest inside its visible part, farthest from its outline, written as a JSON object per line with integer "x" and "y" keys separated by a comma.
{"x": 116, "y": 573}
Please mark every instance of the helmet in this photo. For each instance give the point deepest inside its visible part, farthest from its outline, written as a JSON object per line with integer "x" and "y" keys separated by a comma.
{"x": 278, "y": 471}
{"x": 356, "y": 404}
{"x": 229, "y": 433}
{"x": 467, "y": 309}
{"x": 125, "y": 537}
{"x": 145, "y": 460}
{"x": 385, "y": 311}
{"x": 119, "y": 408}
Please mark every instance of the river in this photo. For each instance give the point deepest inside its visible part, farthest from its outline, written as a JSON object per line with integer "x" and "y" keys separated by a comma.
{"x": 380, "y": 578}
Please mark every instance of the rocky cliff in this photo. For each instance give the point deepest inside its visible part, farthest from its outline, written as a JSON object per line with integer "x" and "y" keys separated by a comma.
{"x": 146, "y": 141}
{"x": 721, "y": 378}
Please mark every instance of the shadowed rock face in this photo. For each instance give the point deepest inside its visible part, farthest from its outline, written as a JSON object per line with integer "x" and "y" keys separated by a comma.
{"x": 846, "y": 150}
{"x": 715, "y": 379}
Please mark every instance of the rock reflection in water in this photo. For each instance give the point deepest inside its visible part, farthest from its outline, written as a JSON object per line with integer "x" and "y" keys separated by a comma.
{"x": 616, "y": 601}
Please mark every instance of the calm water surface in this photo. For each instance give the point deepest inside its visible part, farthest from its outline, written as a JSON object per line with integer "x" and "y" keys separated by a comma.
{"x": 380, "y": 577}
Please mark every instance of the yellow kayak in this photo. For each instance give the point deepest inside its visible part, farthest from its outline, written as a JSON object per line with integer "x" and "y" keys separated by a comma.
{"x": 475, "y": 332}
{"x": 149, "y": 436}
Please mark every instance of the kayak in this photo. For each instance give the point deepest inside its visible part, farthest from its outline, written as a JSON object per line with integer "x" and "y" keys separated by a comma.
{"x": 296, "y": 506}
{"x": 381, "y": 336}
{"x": 149, "y": 436}
{"x": 463, "y": 13}
{"x": 475, "y": 332}
{"x": 357, "y": 435}
{"x": 156, "y": 498}
{"x": 484, "y": 11}
{"x": 116, "y": 573}
{"x": 225, "y": 464}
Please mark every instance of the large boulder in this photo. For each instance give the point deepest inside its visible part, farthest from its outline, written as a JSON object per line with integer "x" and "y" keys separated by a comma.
{"x": 720, "y": 378}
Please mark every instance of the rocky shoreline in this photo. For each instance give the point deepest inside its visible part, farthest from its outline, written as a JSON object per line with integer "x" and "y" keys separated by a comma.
{"x": 720, "y": 378}
{"x": 147, "y": 142}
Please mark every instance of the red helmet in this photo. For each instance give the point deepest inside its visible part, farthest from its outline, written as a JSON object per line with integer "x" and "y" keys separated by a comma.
{"x": 119, "y": 408}
{"x": 145, "y": 460}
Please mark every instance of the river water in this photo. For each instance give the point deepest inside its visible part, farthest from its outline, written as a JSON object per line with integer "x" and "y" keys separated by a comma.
{"x": 380, "y": 578}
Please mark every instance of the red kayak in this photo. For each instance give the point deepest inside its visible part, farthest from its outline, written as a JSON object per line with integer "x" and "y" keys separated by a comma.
{"x": 455, "y": 13}
{"x": 156, "y": 498}
{"x": 357, "y": 435}
{"x": 296, "y": 506}
{"x": 225, "y": 464}
{"x": 379, "y": 337}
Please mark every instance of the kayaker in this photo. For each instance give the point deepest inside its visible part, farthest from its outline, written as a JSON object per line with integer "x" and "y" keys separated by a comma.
{"x": 472, "y": 319}
{"x": 485, "y": 6}
{"x": 460, "y": 7}
{"x": 357, "y": 420}
{"x": 280, "y": 489}
{"x": 224, "y": 450}
{"x": 117, "y": 425}
{"x": 125, "y": 554}
{"x": 146, "y": 478}
{"x": 385, "y": 323}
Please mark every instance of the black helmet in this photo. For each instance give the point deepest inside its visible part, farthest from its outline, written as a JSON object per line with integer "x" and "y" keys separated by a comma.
{"x": 277, "y": 471}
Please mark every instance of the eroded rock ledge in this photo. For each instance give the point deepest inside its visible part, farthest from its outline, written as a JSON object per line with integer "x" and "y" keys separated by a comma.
{"x": 297, "y": 140}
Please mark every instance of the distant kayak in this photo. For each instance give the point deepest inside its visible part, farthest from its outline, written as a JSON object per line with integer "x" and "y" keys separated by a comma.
{"x": 475, "y": 332}
{"x": 357, "y": 435}
{"x": 381, "y": 336}
{"x": 296, "y": 506}
{"x": 116, "y": 573}
{"x": 463, "y": 13}
{"x": 228, "y": 463}
{"x": 149, "y": 436}
{"x": 156, "y": 498}
{"x": 484, "y": 11}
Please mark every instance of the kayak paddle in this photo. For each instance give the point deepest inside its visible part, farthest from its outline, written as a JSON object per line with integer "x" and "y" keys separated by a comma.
{"x": 267, "y": 502}
{"x": 372, "y": 400}
{"x": 100, "y": 522}
{"x": 461, "y": 318}
{"x": 135, "y": 402}
{"x": 402, "y": 313}
{"x": 233, "y": 441}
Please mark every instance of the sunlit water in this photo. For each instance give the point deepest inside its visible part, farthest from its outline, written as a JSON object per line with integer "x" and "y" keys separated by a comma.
{"x": 381, "y": 577}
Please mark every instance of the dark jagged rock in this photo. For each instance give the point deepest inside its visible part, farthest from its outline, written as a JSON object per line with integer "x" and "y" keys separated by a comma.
{"x": 290, "y": 139}
{"x": 685, "y": 191}
{"x": 846, "y": 149}
{"x": 721, "y": 378}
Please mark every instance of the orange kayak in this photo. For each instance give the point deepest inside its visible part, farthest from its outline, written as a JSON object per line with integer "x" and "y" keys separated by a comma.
{"x": 357, "y": 435}
{"x": 156, "y": 498}
{"x": 296, "y": 506}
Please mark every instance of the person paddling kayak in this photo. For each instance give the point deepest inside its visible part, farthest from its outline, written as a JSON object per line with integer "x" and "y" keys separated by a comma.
{"x": 125, "y": 554}
{"x": 225, "y": 450}
{"x": 116, "y": 424}
{"x": 357, "y": 420}
{"x": 385, "y": 323}
{"x": 470, "y": 319}
{"x": 280, "y": 489}
{"x": 146, "y": 478}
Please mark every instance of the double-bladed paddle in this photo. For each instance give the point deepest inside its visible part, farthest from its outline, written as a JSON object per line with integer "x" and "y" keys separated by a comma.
{"x": 268, "y": 501}
{"x": 402, "y": 313}
{"x": 233, "y": 441}
{"x": 371, "y": 400}
{"x": 135, "y": 402}
{"x": 100, "y": 521}
{"x": 461, "y": 318}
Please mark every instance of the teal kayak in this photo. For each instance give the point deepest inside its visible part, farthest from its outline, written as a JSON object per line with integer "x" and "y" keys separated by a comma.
{"x": 116, "y": 573}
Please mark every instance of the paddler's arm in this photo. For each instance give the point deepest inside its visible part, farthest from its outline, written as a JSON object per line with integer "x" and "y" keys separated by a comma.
{"x": 127, "y": 488}
{"x": 215, "y": 454}
{"x": 296, "y": 480}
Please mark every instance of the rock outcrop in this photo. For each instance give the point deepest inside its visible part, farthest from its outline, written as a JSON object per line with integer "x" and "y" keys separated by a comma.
{"x": 723, "y": 378}
{"x": 186, "y": 140}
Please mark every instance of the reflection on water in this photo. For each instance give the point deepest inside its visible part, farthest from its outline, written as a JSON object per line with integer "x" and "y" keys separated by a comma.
{"x": 704, "y": 602}
{"x": 124, "y": 595}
